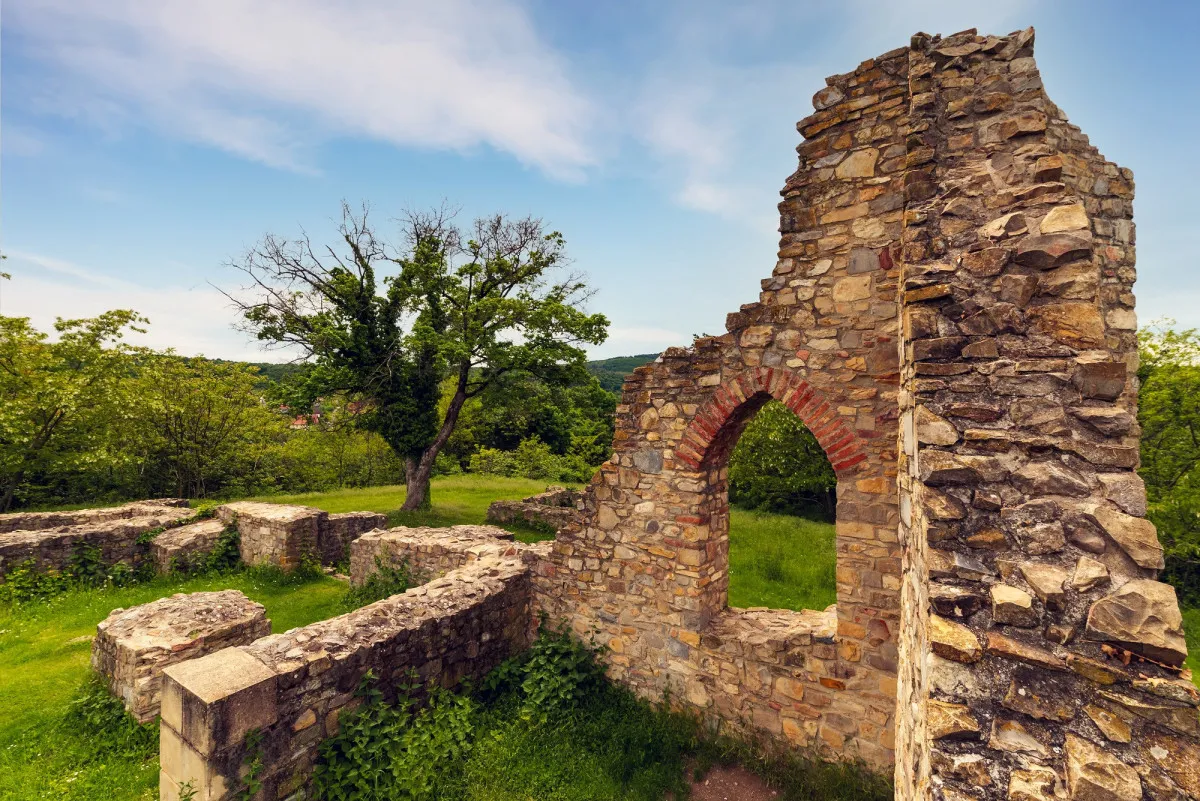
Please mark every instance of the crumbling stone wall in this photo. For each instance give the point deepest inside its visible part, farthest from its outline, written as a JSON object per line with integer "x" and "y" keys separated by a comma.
{"x": 430, "y": 552}
{"x": 554, "y": 508}
{"x": 284, "y": 535}
{"x": 50, "y": 538}
{"x": 292, "y": 687}
{"x": 134, "y": 646}
{"x": 951, "y": 314}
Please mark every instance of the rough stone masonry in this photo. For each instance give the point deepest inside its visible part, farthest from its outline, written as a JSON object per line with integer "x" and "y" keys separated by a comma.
{"x": 951, "y": 314}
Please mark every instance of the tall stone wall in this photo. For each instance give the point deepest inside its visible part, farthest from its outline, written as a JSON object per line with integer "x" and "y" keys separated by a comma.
{"x": 951, "y": 314}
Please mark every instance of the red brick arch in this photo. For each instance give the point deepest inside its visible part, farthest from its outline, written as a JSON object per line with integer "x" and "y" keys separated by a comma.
{"x": 842, "y": 446}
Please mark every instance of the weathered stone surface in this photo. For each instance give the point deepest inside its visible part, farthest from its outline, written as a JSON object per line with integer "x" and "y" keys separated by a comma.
{"x": 1095, "y": 775}
{"x": 1011, "y": 736}
{"x": 1178, "y": 756}
{"x": 1109, "y": 723}
{"x": 1051, "y": 478}
{"x": 1089, "y": 573}
{"x": 1045, "y": 252}
{"x": 1142, "y": 616}
{"x": 1039, "y": 698}
{"x": 1079, "y": 325}
{"x": 1046, "y": 581}
{"x": 133, "y": 646}
{"x": 951, "y": 721}
{"x": 1126, "y": 490}
{"x": 1136, "y": 535}
{"x": 182, "y": 546}
{"x": 1065, "y": 218}
{"x": 556, "y": 507}
{"x": 859, "y": 164}
{"x": 935, "y": 430}
{"x": 1009, "y": 648}
{"x": 1105, "y": 419}
{"x": 1034, "y": 783}
{"x": 1181, "y": 718}
{"x": 48, "y": 539}
{"x": 1012, "y": 606}
{"x": 953, "y": 641}
{"x": 1101, "y": 380}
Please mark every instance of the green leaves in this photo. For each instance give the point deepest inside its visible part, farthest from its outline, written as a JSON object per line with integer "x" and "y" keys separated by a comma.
{"x": 779, "y": 466}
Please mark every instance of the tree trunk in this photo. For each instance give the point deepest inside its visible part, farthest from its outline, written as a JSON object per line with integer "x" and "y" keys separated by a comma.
{"x": 418, "y": 471}
{"x": 417, "y": 483}
{"x": 10, "y": 491}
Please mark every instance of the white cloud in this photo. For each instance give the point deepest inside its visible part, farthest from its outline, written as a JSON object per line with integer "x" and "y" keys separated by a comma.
{"x": 193, "y": 321}
{"x": 270, "y": 79}
{"x": 717, "y": 106}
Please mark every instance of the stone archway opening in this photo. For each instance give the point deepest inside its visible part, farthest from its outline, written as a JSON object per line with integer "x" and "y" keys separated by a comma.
{"x": 779, "y": 508}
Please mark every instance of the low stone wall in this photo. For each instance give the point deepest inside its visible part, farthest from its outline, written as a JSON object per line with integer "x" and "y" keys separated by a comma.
{"x": 555, "y": 508}
{"x": 182, "y": 547}
{"x": 115, "y": 535}
{"x": 38, "y": 521}
{"x": 281, "y": 534}
{"x": 133, "y": 646}
{"x": 337, "y": 531}
{"x": 272, "y": 533}
{"x": 292, "y": 687}
{"x": 429, "y": 552}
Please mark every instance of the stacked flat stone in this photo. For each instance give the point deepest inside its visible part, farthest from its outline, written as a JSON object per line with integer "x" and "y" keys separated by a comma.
{"x": 284, "y": 535}
{"x": 133, "y": 646}
{"x": 49, "y": 539}
{"x": 185, "y": 546}
{"x": 556, "y": 507}
{"x": 428, "y": 552}
{"x": 1055, "y": 652}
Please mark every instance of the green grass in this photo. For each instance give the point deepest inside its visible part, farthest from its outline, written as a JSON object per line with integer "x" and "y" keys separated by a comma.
{"x": 781, "y": 562}
{"x": 457, "y": 500}
{"x": 44, "y": 659}
{"x": 1191, "y": 629}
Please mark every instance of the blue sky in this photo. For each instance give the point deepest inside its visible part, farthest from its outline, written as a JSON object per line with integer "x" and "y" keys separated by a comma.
{"x": 144, "y": 145}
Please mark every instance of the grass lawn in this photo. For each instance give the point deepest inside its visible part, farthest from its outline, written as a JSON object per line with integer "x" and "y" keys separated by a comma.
{"x": 457, "y": 500}
{"x": 1191, "y": 629}
{"x": 44, "y": 656}
{"x": 778, "y": 561}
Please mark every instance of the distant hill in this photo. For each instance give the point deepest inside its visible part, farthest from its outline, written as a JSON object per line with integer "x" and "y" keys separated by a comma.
{"x": 612, "y": 372}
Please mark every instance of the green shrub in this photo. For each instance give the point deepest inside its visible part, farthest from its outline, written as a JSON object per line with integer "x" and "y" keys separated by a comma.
{"x": 97, "y": 717}
{"x": 386, "y": 581}
{"x": 532, "y": 459}
{"x": 26, "y": 583}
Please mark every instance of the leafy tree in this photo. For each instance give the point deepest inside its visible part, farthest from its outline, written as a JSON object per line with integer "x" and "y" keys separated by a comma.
{"x": 469, "y": 308}
{"x": 202, "y": 427}
{"x": 778, "y": 465}
{"x": 1169, "y": 415}
{"x": 60, "y": 397}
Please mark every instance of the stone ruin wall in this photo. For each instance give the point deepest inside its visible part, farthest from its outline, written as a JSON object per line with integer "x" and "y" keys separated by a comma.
{"x": 951, "y": 314}
{"x": 49, "y": 539}
{"x": 293, "y": 687}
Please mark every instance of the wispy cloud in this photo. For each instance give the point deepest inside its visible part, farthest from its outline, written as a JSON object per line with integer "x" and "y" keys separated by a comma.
{"x": 731, "y": 79}
{"x": 269, "y": 80}
{"x": 193, "y": 321}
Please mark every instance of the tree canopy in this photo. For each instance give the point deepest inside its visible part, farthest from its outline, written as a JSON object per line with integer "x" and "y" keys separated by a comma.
{"x": 387, "y": 324}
